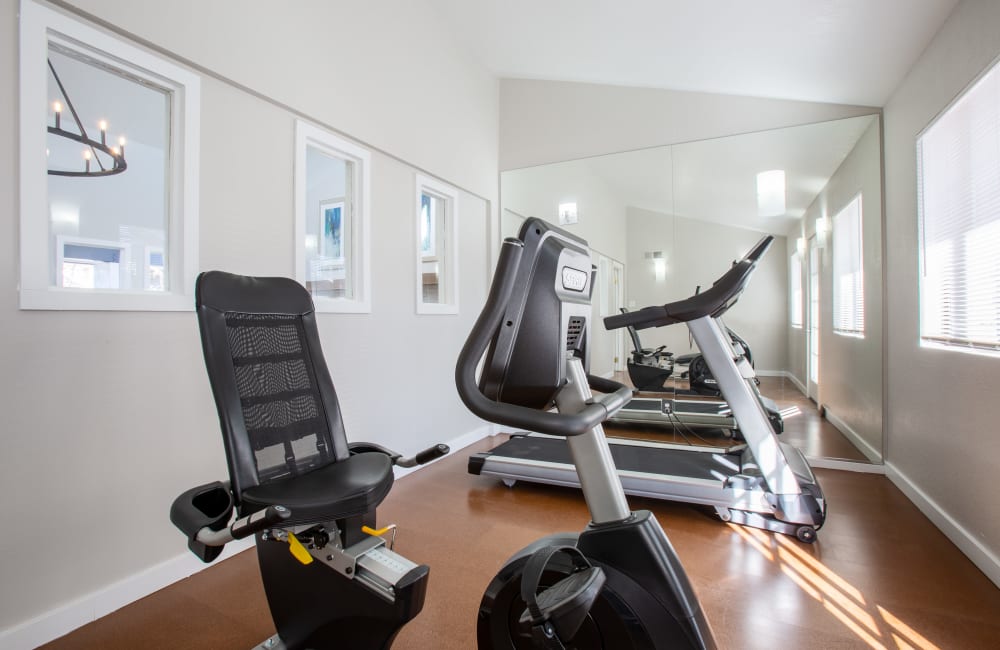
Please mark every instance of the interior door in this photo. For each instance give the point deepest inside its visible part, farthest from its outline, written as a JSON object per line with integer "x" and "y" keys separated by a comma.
{"x": 617, "y": 293}
{"x": 812, "y": 324}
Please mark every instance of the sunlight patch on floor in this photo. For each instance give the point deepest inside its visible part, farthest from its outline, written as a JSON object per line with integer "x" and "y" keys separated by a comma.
{"x": 879, "y": 628}
{"x": 789, "y": 412}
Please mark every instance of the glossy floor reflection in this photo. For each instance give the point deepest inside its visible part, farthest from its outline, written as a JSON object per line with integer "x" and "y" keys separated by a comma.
{"x": 804, "y": 428}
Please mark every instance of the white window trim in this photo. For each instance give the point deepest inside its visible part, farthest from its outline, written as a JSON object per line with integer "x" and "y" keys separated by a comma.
{"x": 307, "y": 135}
{"x": 426, "y": 184}
{"x": 39, "y": 25}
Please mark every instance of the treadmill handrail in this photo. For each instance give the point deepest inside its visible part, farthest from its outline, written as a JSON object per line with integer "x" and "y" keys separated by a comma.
{"x": 554, "y": 423}
{"x": 714, "y": 301}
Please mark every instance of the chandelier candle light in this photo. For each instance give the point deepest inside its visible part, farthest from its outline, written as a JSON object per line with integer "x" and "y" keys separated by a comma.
{"x": 92, "y": 147}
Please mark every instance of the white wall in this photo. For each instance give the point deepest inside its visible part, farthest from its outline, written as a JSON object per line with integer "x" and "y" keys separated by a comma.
{"x": 552, "y": 121}
{"x": 697, "y": 254}
{"x": 385, "y": 73}
{"x": 538, "y": 191}
{"x": 942, "y": 445}
{"x": 850, "y": 379}
{"x": 108, "y": 416}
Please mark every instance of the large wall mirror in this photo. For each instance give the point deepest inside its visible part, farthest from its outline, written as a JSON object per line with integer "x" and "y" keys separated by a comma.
{"x": 666, "y": 220}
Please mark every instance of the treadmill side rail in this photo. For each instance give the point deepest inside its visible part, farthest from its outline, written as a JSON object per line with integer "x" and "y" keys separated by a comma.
{"x": 747, "y": 409}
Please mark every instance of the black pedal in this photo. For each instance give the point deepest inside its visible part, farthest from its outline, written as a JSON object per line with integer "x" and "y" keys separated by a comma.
{"x": 557, "y": 613}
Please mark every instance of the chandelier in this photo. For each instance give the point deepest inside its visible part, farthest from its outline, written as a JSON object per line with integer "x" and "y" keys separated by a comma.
{"x": 93, "y": 165}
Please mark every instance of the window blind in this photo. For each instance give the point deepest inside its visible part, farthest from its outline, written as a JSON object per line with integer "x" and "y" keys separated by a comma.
{"x": 958, "y": 186}
{"x": 848, "y": 274}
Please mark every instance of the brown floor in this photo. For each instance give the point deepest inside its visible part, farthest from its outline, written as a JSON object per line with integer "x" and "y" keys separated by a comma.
{"x": 804, "y": 427}
{"x": 880, "y": 576}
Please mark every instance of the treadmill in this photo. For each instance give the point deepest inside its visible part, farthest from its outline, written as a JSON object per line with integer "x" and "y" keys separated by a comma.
{"x": 762, "y": 483}
{"x": 681, "y": 409}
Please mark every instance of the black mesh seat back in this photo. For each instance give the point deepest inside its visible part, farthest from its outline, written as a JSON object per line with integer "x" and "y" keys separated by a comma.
{"x": 277, "y": 405}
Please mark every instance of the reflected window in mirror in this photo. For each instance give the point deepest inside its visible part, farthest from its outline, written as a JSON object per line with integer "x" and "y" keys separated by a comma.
{"x": 331, "y": 225}
{"x": 109, "y": 170}
{"x": 436, "y": 210}
{"x": 959, "y": 215}
{"x": 795, "y": 290}
{"x": 848, "y": 272}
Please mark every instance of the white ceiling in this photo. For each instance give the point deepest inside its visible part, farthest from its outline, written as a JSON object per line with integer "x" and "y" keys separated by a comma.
{"x": 838, "y": 51}
{"x": 715, "y": 180}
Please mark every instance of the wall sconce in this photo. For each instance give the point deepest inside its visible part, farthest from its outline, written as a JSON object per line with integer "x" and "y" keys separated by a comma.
{"x": 659, "y": 264}
{"x": 567, "y": 214}
{"x": 822, "y": 228}
{"x": 800, "y": 246}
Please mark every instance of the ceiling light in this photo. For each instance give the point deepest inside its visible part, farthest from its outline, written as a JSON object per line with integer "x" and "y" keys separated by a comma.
{"x": 771, "y": 193}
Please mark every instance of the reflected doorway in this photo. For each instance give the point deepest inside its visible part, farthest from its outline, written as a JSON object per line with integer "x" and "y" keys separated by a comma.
{"x": 812, "y": 326}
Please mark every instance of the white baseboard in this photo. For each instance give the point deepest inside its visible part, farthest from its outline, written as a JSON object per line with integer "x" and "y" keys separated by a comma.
{"x": 66, "y": 618}
{"x": 798, "y": 384}
{"x": 846, "y": 465}
{"x": 983, "y": 557}
{"x": 865, "y": 447}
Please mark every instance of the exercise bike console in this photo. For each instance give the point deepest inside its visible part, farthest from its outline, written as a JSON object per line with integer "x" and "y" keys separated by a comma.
{"x": 621, "y": 585}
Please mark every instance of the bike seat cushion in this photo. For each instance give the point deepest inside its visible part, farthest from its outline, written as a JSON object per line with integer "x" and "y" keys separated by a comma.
{"x": 346, "y": 488}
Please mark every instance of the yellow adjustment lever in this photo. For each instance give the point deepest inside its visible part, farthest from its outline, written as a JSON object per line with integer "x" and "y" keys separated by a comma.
{"x": 382, "y": 531}
{"x": 377, "y": 533}
{"x": 297, "y": 550}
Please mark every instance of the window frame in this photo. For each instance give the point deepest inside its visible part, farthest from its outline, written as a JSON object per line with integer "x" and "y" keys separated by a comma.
{"x": 309, "y": 135}
{"x": 38, "y": 26}
{"x": 449, "y": 195}
{"x": 965, "y": 345}
{"x": 856, "y": 318}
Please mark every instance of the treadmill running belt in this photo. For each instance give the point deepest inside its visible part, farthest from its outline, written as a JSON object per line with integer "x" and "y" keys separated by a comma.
{"x": 705, "y": 408}
{"x": 655, "y": 405}
{"x": 632, "y": 458}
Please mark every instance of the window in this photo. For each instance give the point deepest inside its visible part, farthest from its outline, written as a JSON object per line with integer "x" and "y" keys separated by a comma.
{"x": 848, "y": 274}
{"x": 331, "y": 220}
{"x": 92, "y": 264}
{"x": 795, "y": 290}
{"x": 958, "y": 158}
{"x": 437, "y": 247}
{"x": 84, "y": 238}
